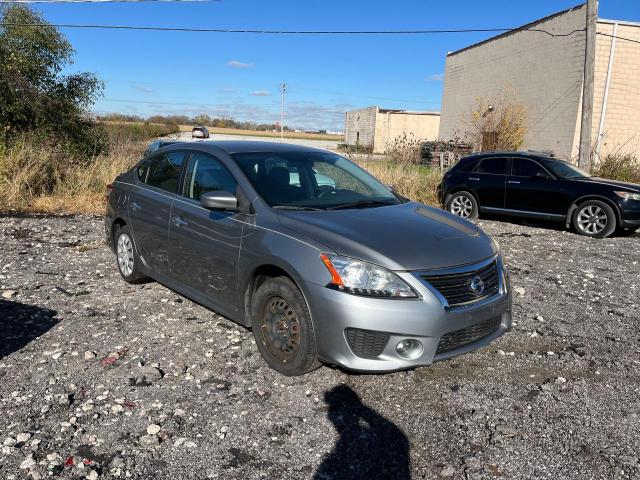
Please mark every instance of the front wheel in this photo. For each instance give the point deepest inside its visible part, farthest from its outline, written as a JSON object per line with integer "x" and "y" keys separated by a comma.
{"x": 462, "y": 204}
{"x": 282, "y": 327}
{"x": 594, "y": 219}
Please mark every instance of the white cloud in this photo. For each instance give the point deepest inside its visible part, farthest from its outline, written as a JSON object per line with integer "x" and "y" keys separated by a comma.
{"x": 435, "y": 77}
{"x": 238, "y": 64}
{"x": 144, "y": 89}
{"x": 260, "y": 93}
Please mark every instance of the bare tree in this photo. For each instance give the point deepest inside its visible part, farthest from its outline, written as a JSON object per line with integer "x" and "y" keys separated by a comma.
{"x": 498, "y": 123}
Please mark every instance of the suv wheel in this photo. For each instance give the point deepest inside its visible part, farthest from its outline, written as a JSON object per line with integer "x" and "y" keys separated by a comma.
{"x": 282, "y": 327}
{"x": 462, "y": 204}
{"x": 595, "y": 219}
{"x": 127, "y": 257}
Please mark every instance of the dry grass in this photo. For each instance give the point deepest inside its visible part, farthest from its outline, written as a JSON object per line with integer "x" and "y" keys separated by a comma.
{"x": 44, "y": 179}
{"x": 41, "y": 179}
{"x": 417, "y": 182}
{"x": 619, "y": 166}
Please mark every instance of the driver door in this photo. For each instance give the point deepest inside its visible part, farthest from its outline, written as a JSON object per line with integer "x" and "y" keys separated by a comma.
{"x": 532, "y": 189}
{"x": 205, "y": 244}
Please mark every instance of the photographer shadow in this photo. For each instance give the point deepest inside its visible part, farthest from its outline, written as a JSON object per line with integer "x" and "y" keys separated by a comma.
{"x": 370, "y": 446}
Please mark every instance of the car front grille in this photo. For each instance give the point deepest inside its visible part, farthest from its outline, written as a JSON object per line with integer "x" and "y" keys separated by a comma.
{"x": 366, "y": 343}
{"x": 464, "y": 336}
{"x": 457, "y": 288}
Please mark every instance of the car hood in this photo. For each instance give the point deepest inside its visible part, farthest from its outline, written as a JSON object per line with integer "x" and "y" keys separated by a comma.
{"x": 613, "y": 183}
{"x": 408, "y": 236}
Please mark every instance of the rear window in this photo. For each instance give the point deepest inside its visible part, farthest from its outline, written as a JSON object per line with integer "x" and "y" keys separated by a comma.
{"x": 465, "y": 165}
{"x": 494, "y": 165}
{"x": 163, "y": 171}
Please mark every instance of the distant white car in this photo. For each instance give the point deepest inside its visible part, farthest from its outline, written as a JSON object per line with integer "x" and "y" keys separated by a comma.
{"x": 200, "y": 132}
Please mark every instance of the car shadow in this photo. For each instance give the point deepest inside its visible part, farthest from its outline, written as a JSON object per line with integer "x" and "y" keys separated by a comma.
{"x": 370, "y": 446}
{"x": 527, "y": 222}
{"x": 21, "y": 323}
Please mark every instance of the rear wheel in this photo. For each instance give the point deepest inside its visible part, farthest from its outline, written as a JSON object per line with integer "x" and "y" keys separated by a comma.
{"x": 463, "y": 204}
{"x": 282, "y": 327}
{"x": 127, "y": 257}
{"x": 595, "y": 219}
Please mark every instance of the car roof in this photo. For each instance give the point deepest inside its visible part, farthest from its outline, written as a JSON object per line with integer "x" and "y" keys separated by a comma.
{"x": 242, "y": 146}
{"x": 520, "y": 153}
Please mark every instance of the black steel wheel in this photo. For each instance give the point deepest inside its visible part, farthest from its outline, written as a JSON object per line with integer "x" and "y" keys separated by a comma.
{"x": 282, "y": 327}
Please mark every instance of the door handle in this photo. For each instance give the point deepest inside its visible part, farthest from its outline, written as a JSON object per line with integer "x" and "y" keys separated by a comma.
{"x": 179, "y": 221}
{"x": 135, "y": 206}
{"x": 474, "y": 179}
{"x": 513, "y": 181}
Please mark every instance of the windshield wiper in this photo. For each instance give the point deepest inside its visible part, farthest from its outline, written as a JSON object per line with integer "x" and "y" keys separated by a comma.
{"x": 296, "y": 208}
{"x": 362, "y": 204}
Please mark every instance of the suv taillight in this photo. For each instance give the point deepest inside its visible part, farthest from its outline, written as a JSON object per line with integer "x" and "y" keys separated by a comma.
{"x": 108, "y": 191}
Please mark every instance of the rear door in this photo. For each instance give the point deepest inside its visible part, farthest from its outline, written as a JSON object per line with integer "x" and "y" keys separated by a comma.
{"x": 489, "y": 179}
{"x": 205, "y": 244}
{"x": 150, "y": 208}
{"x": 531, "y": 188}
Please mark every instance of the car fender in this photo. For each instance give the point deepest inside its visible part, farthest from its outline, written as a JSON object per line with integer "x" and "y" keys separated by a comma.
{"x": 584, "y": 198}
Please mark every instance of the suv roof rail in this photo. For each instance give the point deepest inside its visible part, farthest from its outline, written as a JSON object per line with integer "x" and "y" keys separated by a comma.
{"x": 542, "y": 152}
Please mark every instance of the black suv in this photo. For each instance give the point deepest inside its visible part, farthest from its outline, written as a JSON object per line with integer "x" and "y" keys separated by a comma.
{"x": 537, "y": 185}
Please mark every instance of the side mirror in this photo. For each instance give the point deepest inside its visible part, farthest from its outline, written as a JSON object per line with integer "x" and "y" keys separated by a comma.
{"x": 219, "y": 200}
{"x": 542, "y": 176}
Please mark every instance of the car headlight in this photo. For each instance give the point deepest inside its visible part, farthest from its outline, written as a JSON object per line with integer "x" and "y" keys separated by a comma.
{"x": 363, "y": 278}
{"x": 628, "y": 195}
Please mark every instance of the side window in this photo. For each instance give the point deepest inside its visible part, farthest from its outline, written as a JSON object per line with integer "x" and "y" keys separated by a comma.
{"x": 142, "y": 171}
{"x": 207, "y": 174}
{"x": 465, "y": 165}
{"x": 494, "y": 165}
{"x": 164, "y": 171}
{"x": 527, "y": 168}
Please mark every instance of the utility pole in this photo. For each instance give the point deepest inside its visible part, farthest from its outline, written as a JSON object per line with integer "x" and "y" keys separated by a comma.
{"x": 586, "y": 124}
{"x": 283, "y": 90}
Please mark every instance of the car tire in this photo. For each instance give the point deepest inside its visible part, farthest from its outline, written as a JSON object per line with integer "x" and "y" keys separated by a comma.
{"x": 282, "y": 327}
{"x": 595, "y": 219}
{"x": 463, "y": 204}
{"x": 127, "y": 257}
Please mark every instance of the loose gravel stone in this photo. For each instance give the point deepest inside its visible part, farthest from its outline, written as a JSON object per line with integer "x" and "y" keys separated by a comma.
{"x": 500, "y": 412}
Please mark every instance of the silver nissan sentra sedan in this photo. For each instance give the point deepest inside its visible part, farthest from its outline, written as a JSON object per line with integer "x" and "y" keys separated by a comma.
{"x": 322, "y": 261}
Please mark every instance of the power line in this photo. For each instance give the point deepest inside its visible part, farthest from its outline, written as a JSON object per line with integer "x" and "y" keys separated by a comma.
{"x": 289, "y": 32}
{"x": 618, "y": 37}
{"x": 101, "y": 1}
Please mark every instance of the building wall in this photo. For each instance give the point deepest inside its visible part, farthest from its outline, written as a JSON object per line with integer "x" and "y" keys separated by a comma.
{"x": 621, "y": 128}
{"x": 390, "y": 126}
{"x": 542, "y": 72}
{"x": 360, "y": 126}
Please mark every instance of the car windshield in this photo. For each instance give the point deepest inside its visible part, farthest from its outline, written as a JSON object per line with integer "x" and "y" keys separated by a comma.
{"x": 564, "y": 169}
{"x": 312, "y": 181}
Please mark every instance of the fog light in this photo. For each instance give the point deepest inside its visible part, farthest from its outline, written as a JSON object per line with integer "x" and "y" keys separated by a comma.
{"x": 409, "y": 348}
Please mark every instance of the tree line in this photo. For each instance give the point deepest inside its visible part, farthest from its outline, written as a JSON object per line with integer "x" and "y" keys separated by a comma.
{"x": 202, "y": 119}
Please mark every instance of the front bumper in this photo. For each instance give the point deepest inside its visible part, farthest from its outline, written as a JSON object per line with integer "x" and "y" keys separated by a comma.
{"x": 425, "y": 319}
{"x": 630, "y": 213}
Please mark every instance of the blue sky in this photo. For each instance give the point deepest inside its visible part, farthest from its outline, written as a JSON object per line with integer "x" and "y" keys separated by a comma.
{"x": 238, "y": 74}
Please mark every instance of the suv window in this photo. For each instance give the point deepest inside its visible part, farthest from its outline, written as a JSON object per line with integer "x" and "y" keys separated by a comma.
{"x": 465, "y": 165}
{"x": 207, "y": 174}
{"x": 163, "y": 171}
{"x": 527, "y": 168}
{"x": 495, "y": 165}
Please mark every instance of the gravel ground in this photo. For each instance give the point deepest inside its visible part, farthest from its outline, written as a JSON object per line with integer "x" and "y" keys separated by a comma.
{"x": 100, "y": 379}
